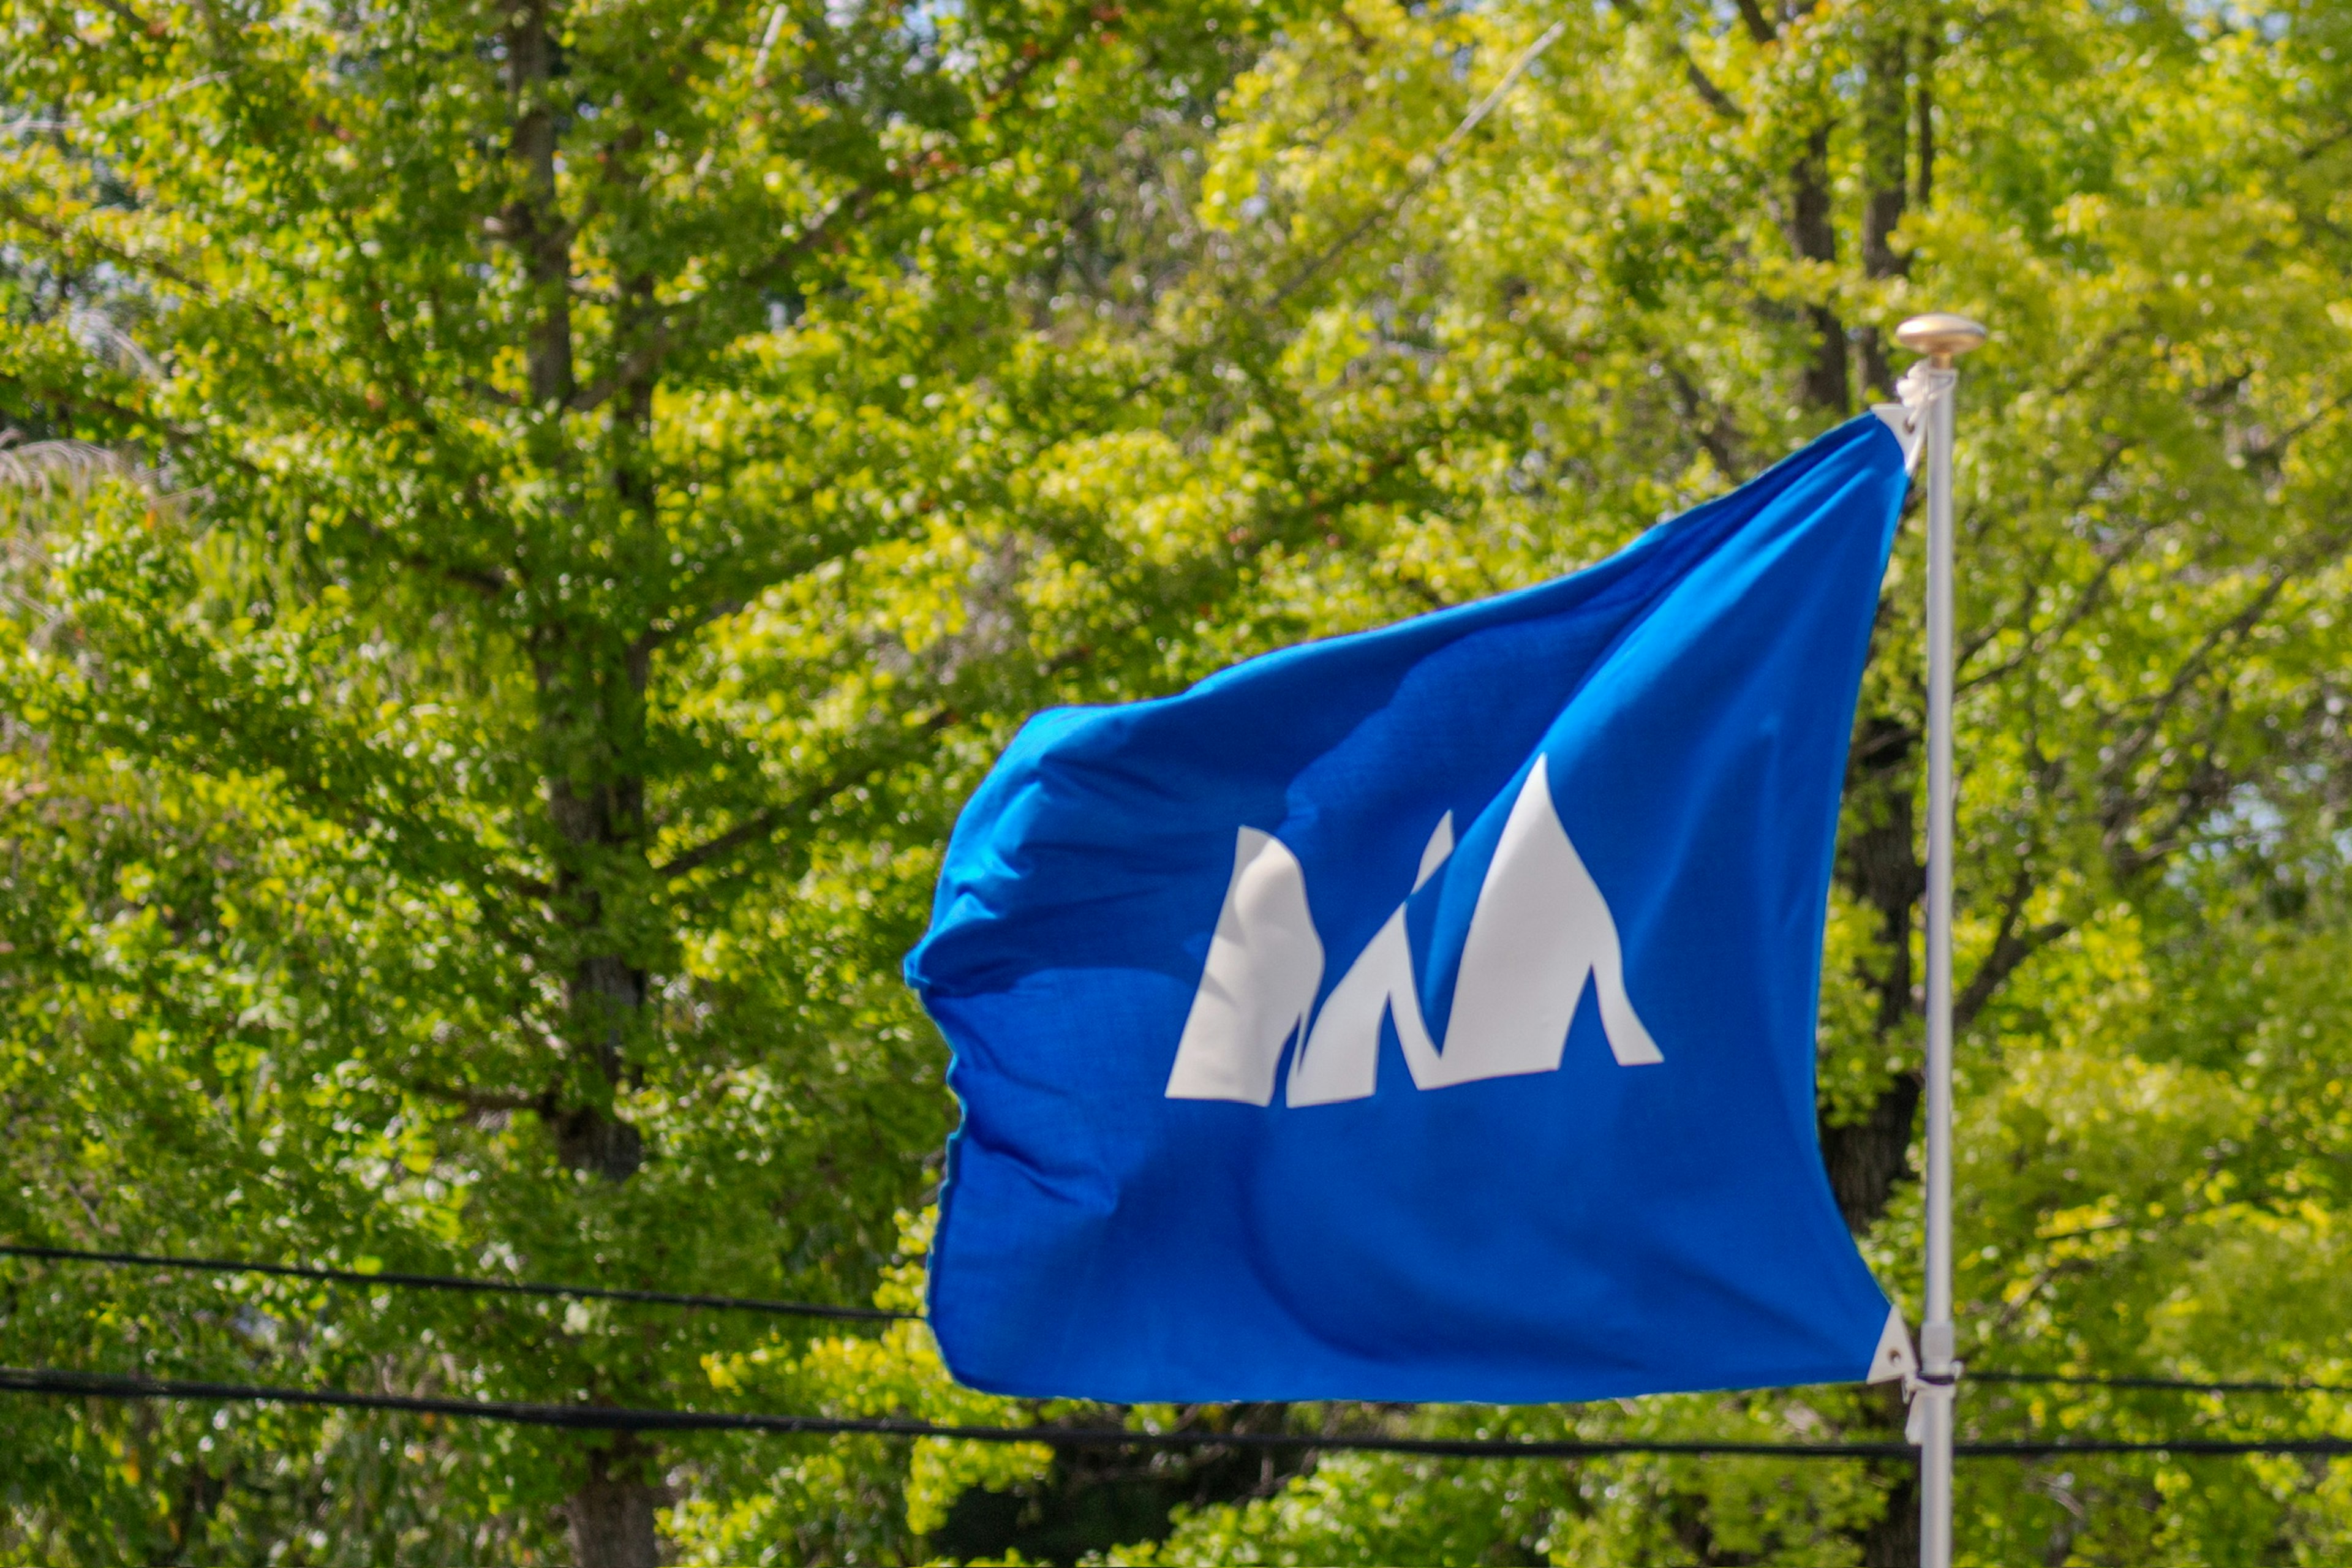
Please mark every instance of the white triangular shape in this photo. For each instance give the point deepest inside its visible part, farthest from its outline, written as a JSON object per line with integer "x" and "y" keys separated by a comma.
{"x": 1433, "y": 854}
{"x": 1341, "y": 1059}
{"x": 1892, "y": 1359}
{"x": 1266, "y": 964}
{"x": 1910, "y": 427}
{"x": 1540, "y": 929}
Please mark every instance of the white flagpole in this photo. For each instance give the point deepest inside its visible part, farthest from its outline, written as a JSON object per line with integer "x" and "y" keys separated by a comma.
{"x": 1942, "y": 338}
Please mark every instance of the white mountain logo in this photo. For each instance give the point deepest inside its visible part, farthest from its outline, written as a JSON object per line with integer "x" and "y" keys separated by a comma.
{"x": 1540, "y": 929}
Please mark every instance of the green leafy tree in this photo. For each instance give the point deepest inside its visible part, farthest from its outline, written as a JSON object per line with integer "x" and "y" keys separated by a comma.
{"x": 1667, "y": 256}
{"x": 506, "y": 742}
{"x": 1414, "y": 365}
{"x": 468, "y": 799}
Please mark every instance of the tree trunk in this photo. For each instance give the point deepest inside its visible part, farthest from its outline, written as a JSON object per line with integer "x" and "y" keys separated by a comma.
{"x": 534, "y": 223}
{"x": 1813, "y": 233}
{"x": 1923, "y": 120}
{"x": 1864, "y": 1159}
{"x": 1893, "y": 1541}
{"x": 1885, "y": 125}
{"x": 591, "y": 683}
{"x": 612, "y": 1514}
{"x": 1880, "y": 865}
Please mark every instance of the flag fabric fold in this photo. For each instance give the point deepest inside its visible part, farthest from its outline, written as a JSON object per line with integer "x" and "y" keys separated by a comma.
{"x": 1428, "y": 1014}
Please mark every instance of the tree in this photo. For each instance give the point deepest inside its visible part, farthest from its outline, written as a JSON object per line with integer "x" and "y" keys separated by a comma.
{"x": 470, "y": 795}
{"x": 338, "y": 753}
{"x": 1667, "y": 259}
{"x": 1662, "y": 262}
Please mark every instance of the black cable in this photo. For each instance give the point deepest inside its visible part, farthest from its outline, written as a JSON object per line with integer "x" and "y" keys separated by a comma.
{"x": 454, "y": 1282}
{"x": 2191, "y": 1384}
{"x": 875, "y": 1314}
{"x": 608, "y": 1418}
{"x": 2037, "y": 1449}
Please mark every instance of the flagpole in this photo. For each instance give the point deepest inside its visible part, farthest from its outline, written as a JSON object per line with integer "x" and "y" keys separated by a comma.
{"x": 1942, "y": 338}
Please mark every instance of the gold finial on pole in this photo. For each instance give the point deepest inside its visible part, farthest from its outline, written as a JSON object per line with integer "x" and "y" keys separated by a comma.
{"x": 1941, "y": 336}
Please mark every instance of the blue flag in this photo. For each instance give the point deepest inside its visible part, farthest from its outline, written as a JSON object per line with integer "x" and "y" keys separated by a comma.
{"x": 1428, "y": 1014}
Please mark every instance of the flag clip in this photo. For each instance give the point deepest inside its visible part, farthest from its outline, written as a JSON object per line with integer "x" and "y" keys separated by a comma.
{"x": 1907, "y": 418}
{"x": 1918, "y": 1387}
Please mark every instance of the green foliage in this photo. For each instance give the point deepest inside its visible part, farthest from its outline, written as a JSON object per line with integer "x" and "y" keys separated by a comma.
{"x": 466, "y": 805}
{"x": 616, "y": 473}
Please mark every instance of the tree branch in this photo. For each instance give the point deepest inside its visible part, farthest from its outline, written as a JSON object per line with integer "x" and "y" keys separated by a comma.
{"x": 65, "y": 236}
{"x": 2010, "y": 948}
{"x": 640, "y": 362}
{"x": 1708, "y": 424}
{"x": 2233, "y": 630}
{"x": 768, "y": 818}
{"x": 1714, "y": 97}
{"x": 656, "y": 636}
{"x": 479, "y": 1103}
{"x": 759, "y": 825}
{"x": 2085, "y": 601}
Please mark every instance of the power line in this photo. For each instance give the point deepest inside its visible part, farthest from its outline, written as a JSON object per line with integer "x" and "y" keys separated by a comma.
{"x": 875, "y": 1314}
{"x": 455, "y": 1282}
{"x": 2188, "y": 1384}
{"x": 608, "y": 1418}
